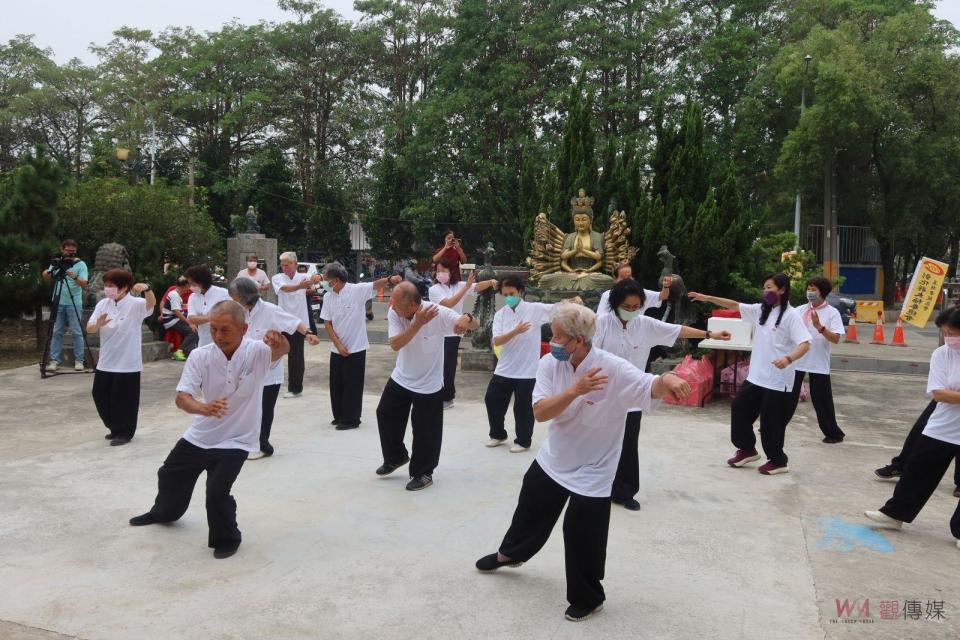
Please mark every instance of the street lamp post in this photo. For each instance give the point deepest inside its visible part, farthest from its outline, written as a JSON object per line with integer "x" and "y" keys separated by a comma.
{"x": 803, "y": 106}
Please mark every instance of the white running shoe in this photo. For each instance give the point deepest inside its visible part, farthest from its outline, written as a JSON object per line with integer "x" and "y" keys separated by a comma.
{"x": 883, "y": 520}
{"x": 518, "y": 449}
{"x": 495, "y": 443}
{"x": 78, "y": 366}
{"x": 447, "y": 404}
{"x": 53, "y": 365}
{"x": 256, "y": 455}
{"x": 291, "y": 394}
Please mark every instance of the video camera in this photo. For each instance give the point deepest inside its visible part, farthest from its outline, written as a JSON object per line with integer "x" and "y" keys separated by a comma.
{"x": 59, "y": 265}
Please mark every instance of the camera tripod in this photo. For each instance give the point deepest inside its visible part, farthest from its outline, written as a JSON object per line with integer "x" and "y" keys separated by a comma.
{"x": 59, "y": 283}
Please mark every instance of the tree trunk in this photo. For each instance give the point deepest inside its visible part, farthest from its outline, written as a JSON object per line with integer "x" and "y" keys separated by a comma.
{"x": 889, "y": 275}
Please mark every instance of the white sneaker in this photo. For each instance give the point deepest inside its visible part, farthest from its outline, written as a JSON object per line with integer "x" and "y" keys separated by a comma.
{"x": 883, "y": 520}
{"x": 518, "y": 449}
{"x": 495, "y": 443}
{"x": 447, "y": 404}
{"x": 290, "y": 394}
{"x": 78, "y": 366}
{"x": 256, "y": 455}
{"x": 958, "y": 544}
{"x": 53, "y": 365}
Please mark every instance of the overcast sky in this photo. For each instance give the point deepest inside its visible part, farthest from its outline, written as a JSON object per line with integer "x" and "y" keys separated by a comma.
{"x": 69, "y": 26}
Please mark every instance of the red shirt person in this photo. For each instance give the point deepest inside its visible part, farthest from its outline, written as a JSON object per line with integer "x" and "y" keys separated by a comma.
{"x": 452, "y": 252}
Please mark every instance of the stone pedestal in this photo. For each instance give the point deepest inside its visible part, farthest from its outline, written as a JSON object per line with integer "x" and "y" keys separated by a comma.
{"x": 246, "y": 243}
{"x": 476, "y": 360}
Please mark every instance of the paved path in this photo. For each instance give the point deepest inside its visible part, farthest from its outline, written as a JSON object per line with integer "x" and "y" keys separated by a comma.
{"x": 332, "y": 551}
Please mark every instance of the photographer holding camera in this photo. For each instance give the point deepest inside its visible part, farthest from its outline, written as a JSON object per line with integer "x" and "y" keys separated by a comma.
{"x": 69, "y": 275}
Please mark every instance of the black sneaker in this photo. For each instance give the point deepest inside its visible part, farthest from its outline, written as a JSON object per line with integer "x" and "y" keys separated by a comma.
{"x": 629, "y": 505}
{"x": 420, "y": 482}
{"x": 345, "y": 427}
{"x": 118, "y": 441}
{"x": 226, "y": 551}
{"x": 888, "y": 473}
{"x": 387, "y": 468}
{"x": 579, "y": 614}
{"x": 490, "y": 563}
{"x": 956, "y": 491}
{"x": 832, "y": 439}
{"x": 109, "y": 436}
{"x": 147, "y": 518}
{"x": 334, "y": 422}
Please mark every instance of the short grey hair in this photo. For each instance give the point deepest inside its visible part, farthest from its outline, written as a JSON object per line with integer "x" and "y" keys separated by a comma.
{"x": 289, "y": 256}
{"x": 335, "y": 270}
{"x": 244, "y": 291}
{"x": 230, "y": 308}
{"x": 575, "y": 320}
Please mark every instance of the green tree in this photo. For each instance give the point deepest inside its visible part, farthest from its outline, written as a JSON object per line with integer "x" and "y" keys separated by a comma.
{"x": 328, "y": 221}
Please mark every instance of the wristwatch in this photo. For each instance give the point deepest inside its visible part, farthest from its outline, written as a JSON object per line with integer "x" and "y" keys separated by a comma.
{"x": 709, "y": 334}
{"x": 469, "y": 315}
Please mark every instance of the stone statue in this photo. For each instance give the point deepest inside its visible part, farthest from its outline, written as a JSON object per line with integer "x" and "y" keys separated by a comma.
{"x": 577, "y": 260}
{"x": 485, "y": 305}
{"x": 251, "y": 219}
{"x": 673, "y": 310}
{"x": 109, "y": 256}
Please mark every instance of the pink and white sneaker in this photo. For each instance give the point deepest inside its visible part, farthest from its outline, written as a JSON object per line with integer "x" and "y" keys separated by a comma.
{"x": 772, "y": 468}
{"x": 743, "y": 457}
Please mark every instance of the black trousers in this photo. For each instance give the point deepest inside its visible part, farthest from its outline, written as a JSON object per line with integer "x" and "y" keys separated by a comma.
{"x": 821, "y": 394}
{"x": 117, "y": 398}
{"x": 269, "y": 403}
{"x": 346, "y": 386}
{"x": 497, "y": 399}
{"x": 626, "y": 483}
{"x": 295, "y": 365}
{"x": 925, "y": 469}
{"x": 585, "y": 528}
{"x": 451, "y": 350}
{"x": 425, "y": 411}
{"x": 772, "y": 407}
{"x": 190, "y": 337}
{"x": 178, "y": 476}
{"x": 900, "y": 460}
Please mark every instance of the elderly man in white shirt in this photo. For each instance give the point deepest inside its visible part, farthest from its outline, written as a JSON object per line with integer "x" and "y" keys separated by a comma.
{"x": 263, "y": 316}
{"x": 344, "y": 308}
{"x": 290, "y": 287}
{"x": 229, "y": 376}
{"x": 587, "y": 393}
{"x": 417, "y": 330}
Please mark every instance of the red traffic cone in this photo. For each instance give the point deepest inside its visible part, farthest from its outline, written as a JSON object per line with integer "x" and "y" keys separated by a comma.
{"x": 878, "y": 330}
{"x": 852, "y": 329}
{"x": 898, "y": 340}
{"x": 381, "y": 294}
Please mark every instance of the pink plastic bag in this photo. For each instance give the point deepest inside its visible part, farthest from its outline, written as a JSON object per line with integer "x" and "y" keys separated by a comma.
{"x": 699, "y": 374}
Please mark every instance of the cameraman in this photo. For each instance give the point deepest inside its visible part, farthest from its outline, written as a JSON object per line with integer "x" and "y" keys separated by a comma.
{"x": 68, "y": 298}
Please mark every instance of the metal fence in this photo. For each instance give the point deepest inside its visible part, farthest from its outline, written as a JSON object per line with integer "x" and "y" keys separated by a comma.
{"x": 857, "y": 244}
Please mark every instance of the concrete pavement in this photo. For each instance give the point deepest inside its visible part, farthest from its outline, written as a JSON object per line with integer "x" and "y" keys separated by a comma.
{"x": 332, "y": 551}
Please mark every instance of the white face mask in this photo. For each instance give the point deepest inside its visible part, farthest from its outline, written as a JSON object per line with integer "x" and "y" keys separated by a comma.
{"x": 251, "y": 265}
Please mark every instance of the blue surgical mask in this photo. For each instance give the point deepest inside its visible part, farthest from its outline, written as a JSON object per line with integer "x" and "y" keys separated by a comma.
{"x": 559, "y": 352}
{"x": 511, "y": 301}
{"x": 812, "y": 296}
{"x": 326, "y": 286}
{"x": 627, "y": 316}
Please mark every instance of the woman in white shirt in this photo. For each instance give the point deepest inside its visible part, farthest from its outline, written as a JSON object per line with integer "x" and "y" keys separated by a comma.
{"x": 450, "y": 292}
{"x": 118, "y": 317}
{"x": 940, "y": 442}
{"x": 255, "y": 273}
{"x": 263, "y": 316}
{"x": 825, "y": 326}
{"x": 204, "y": 296}
{"x": 779, "y": 340}
{"x": 586, "y": 393}
{"x": 624, "y": 331}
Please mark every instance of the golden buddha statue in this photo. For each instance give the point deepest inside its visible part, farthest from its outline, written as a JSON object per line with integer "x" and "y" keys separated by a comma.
{"x": 574, "y": 261}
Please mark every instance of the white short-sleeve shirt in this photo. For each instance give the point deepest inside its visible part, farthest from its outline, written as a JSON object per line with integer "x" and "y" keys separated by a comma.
{"x": 817, "y": 359}
{"x": 208, "y": 374}
{"x": 519, "y": 356}
{"x": 583, "y": 444}
{"x": 121, "y": 338}
{"x": 201, "y": 304}
{"x": 771, "y": 342}
{"x": 266, "y": 316}
{"x": 347, "y": 312}
{"x": 440, "y": 292}
{"x": 420, "y": 362}
{"x": 634, "y": 342}
{"x": 944, "y": 422}
{"x": 651, "y": 300}
{"x": 293, "y": 302}
{"x": 260, "y": 277}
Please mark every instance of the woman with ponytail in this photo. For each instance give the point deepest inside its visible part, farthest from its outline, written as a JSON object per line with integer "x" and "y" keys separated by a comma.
{"x": 779, "y": 340}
